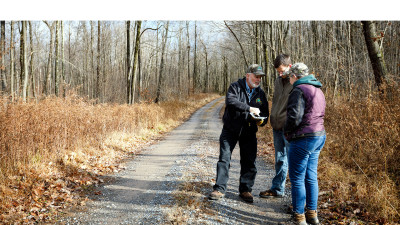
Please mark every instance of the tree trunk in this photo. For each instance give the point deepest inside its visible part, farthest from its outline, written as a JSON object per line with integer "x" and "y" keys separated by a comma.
{"x": 165, "y": 38}
{"x": 62, "y": 59}
{"x": 2, "y": 56}
{"x": 98, "y": 60}
{"x": 188, "y": 55}
{"x": 32, "y": 84}
{"x": 135, "y": 60}
{"x": 128, "y": 60}
{"x": 195, "y": 75}
{"x": 56, "y": 53}
{"x": 257, "y": 44}
{"x": 47, "y": 80}
{"x": 374, "y": 52}
{"x": 25, "y": 63}
{"x": 12, "y": 60}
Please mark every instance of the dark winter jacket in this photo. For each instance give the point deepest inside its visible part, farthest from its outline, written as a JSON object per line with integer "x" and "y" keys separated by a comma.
{"x": 236, "y": 116}
{"x": 305, "y": 109}
{"x": 279, "y": 102}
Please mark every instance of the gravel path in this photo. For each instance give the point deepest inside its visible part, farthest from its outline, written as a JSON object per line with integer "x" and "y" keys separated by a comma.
{"x": 146, "y": 192}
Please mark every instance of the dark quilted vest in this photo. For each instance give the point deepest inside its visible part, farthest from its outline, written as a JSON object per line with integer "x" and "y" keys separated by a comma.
{"x": 314, "y": 112}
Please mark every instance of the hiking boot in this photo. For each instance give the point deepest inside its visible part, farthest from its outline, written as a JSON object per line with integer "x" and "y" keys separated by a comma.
{"x": 215, "y": 195}
{"x": 311, "y": 217}
{"x": 270, "y": 194}
{"x": 299, "y": 219}
{"x": 246, "y": 196}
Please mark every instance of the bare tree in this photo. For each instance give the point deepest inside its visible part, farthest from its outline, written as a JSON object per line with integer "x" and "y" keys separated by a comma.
{"x": 128, "y": 59}
{"x": 135, "y": 60}
{"x": 164, "y": 43}
{"x": 98, "y": 60}
{"x": 12, "y": 60}
{"x": 25, "y": 63}
{"x": 241, "y": 47}
{"x": 56, "y": 54}
{"x": 2, "y": 54}
{"x": 374, "y": 52}
{"x": 47, "y": 80}
{"x": 31, "y": 63}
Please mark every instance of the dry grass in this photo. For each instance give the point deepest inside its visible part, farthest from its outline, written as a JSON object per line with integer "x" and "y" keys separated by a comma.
{"x": 57, "y": 147}
{"x": 359, "y": 166}
{"x": 360, "y": 158}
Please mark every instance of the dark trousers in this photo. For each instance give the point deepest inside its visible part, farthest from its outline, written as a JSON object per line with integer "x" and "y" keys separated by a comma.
{"x": 248, "y": 154}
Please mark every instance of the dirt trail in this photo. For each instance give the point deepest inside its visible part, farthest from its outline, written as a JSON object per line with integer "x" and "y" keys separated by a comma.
{"x": 144, "y": 191}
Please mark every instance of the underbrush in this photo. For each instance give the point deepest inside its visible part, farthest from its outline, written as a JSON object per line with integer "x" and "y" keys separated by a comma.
{"x": 54, "y": 150}
{"x": 358, "y": 170}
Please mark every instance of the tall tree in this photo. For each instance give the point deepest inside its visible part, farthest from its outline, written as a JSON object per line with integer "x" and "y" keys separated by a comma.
{"x": 374, "y": 52}
{"x": 164, "y": 43}
{"x": 62, "y": 59}
{"x": 56, "y": 54}
{"x": 25, "y": 87}
{"x": 47, "y": 80}
{"x": 135, "y": 60}
{"x": 195, "y": 75}
{"x": 98, "y": 60}
{"x": 32, "y": 54}
{"x": 240, "y": 44}
{"x": 128, "y": 60}
{"x": 12, "y": 60}
{"x": 188, "y": 54}
{"x": 2, "y": 56}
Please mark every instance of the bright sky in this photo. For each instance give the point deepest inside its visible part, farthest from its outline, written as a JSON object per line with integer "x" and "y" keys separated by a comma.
{"x": 199, "y": 10}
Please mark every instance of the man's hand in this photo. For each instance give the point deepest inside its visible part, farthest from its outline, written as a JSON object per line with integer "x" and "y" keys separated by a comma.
{"x": 260, "y": 122}
{"x": 255, "y": 111}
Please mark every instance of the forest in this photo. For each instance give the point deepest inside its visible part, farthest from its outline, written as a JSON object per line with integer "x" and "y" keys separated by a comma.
{"x": 110, "y": 63}
{"x": 126, "y": 62}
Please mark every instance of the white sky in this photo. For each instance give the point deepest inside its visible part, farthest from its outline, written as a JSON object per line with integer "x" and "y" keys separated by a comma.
{"x": 199, "y": 10}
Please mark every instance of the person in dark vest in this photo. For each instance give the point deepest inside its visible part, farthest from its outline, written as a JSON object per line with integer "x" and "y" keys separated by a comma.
{"x": 305, "y": 131}
{"x": 244, "y": 97}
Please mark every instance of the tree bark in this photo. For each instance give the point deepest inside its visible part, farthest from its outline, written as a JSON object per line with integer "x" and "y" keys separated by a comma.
{"x": 25, "y": 87}
{"x": 162, "y": 64}
{"x": 2, "y": 56}
{"x": 12, "y": 60}
{"x": 56, "y": 53}
{"x": 135, "y": 60}
{"x": 128, "y": 60}
{"x": 188, "y": 55}
{"x": 195, "y": 75}
{"x": 374, "y": 52}
{"x": 47, "y": 80}
{"x": 32, "y": 84}
{"x": 62, "y": 59}
{"x": 98, "y": 59}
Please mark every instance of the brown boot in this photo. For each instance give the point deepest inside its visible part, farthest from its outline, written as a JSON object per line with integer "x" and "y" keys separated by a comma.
{"x": 215, "y": 195}
{"x": 247, "y": 196}
{"x": 299, "y": 219}
{"x": 311, "y": 217}
{"x": 270, "y": 194}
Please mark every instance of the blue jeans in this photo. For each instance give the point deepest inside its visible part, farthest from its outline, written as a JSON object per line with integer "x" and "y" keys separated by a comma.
{"x": 303, "y": 164}
{"x": 281, "y": 162}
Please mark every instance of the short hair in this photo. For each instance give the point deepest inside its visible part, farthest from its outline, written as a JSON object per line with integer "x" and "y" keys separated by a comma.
{"x": 282, "y": 59}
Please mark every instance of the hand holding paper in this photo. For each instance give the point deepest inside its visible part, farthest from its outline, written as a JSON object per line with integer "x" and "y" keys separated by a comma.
{"x": 255, "y": 111}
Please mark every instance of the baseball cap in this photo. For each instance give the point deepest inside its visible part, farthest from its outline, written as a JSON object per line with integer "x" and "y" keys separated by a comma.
{"x": 255, "y": 69}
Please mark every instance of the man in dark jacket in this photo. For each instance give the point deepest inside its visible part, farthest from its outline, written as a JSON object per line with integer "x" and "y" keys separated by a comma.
{"x": 243, "y": 99}
{"x": 282, "y": 88}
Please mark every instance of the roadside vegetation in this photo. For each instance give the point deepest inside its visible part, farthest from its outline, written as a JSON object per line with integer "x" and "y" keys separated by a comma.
{"x": 53, "y": 151}
{"x": 358, "y": 171}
